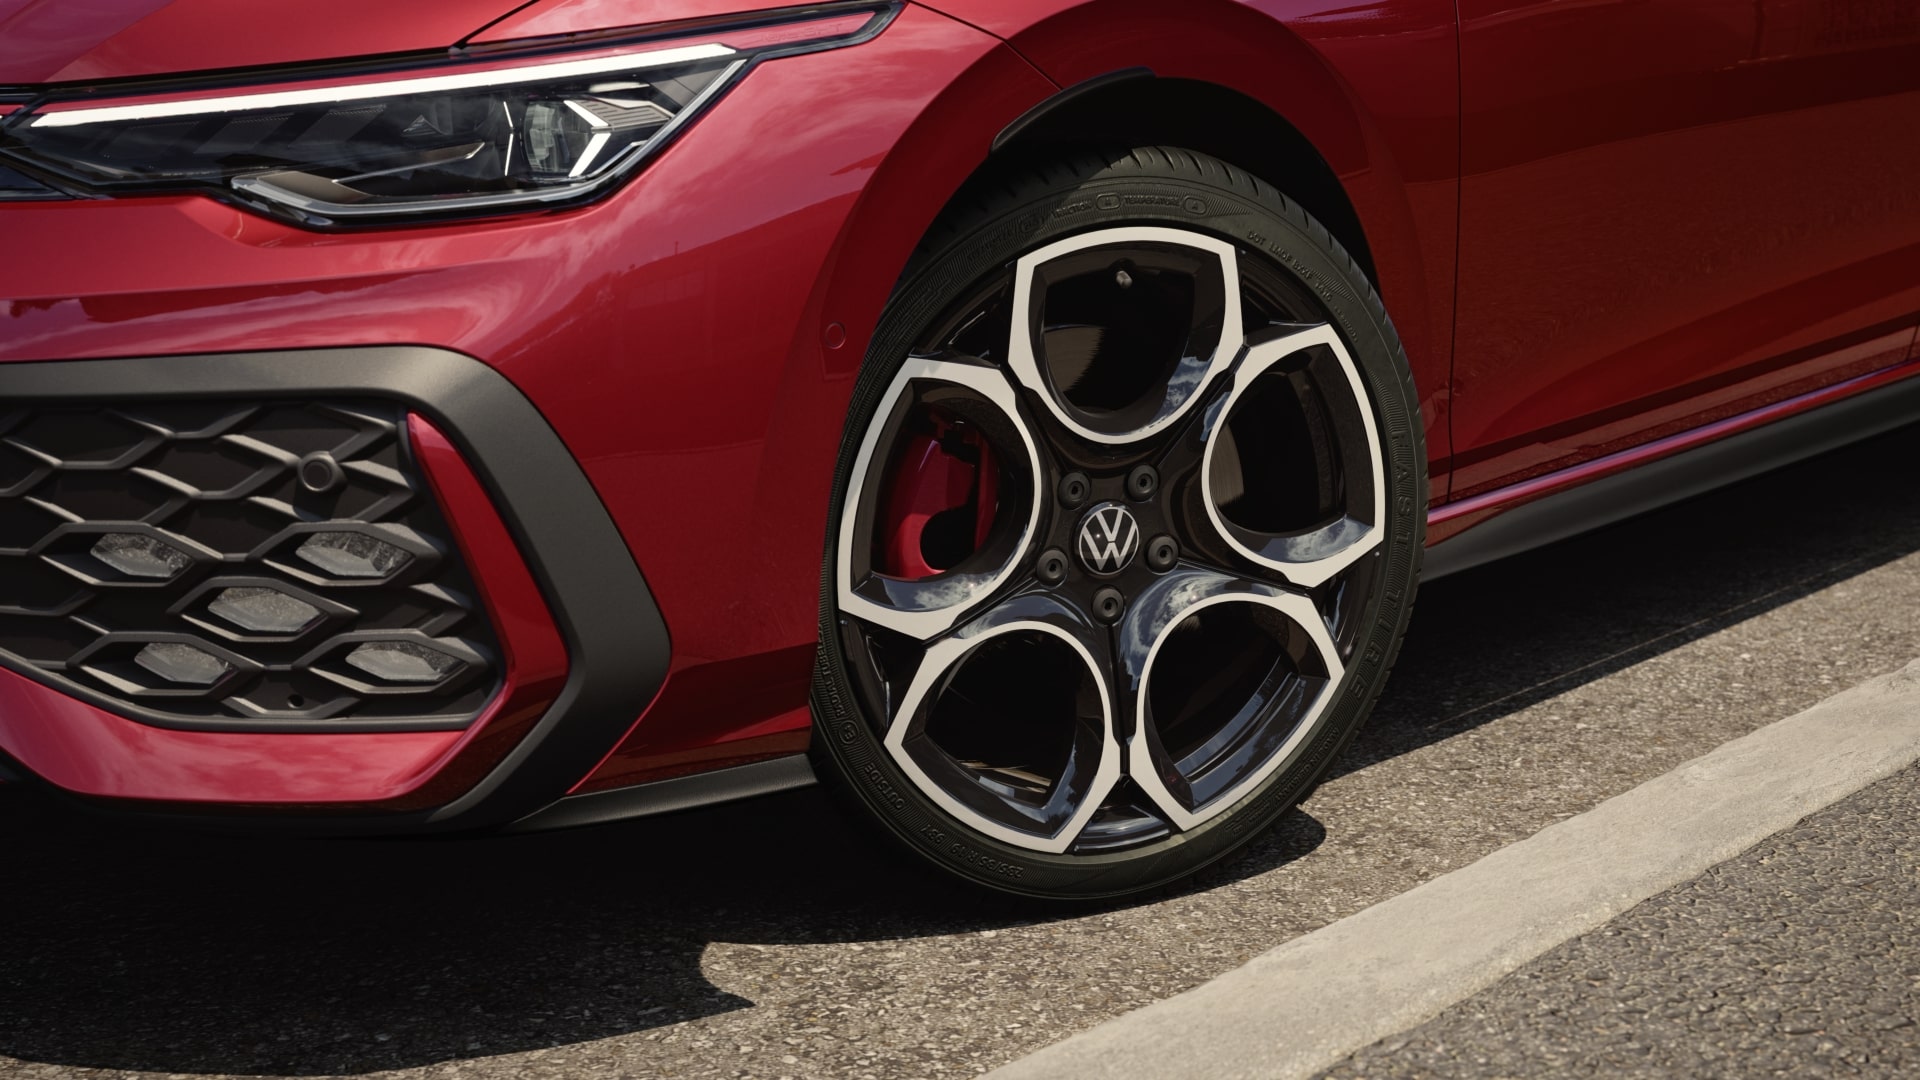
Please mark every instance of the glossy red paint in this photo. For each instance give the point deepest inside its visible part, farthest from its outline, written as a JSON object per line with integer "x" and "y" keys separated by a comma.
{"x": 91, "y": 752}
{"x": 1672, "y": 212}
{"x": 1459, "y": 516}
{"x": 1562, "y": 450}
{"x": 564, "y": 18}
{"x": 56, "y": 41}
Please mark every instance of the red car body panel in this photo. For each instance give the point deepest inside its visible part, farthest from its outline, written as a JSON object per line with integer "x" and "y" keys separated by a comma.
{"x": 1675, "y": 213}
{"x": 60, "y": 41}
{"x": 561, "y": 18}
{"x": 1460, "y": 515}
{"x": 89, "y": 751}
{"x": 694, "y": 337}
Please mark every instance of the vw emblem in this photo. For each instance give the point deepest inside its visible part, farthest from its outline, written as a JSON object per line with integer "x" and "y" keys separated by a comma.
{"x": 1109, "y": 536}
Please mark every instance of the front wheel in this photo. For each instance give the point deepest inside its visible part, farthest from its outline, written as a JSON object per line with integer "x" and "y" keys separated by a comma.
{"x": 1125, "y": 530}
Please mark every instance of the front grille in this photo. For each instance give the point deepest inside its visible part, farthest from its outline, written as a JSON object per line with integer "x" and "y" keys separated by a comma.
{"x": 264, "y": 564}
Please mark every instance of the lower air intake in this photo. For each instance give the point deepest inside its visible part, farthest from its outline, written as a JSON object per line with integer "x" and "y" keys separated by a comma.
{"x": 251, "y": 564}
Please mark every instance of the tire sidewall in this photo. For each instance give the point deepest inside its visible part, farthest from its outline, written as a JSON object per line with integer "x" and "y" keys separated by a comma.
{"x": 848, "y": 745}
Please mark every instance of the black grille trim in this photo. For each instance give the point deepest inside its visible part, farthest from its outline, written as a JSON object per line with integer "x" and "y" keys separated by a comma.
{"x": 617, "y": 642}
{"x": 128, "y": 527}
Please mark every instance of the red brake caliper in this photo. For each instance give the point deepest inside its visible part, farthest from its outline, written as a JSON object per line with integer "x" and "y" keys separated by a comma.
{"x": 950, "y": 468}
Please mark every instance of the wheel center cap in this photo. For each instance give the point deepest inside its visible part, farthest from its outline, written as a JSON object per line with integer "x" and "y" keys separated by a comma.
{"x": 1109, "y": 538}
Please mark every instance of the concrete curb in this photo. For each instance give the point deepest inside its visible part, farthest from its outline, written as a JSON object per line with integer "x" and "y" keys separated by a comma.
{"x": 1305, "y": 1005}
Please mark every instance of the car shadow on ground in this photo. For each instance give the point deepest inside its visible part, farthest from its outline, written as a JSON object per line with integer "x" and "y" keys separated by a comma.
{"x": 134, "y": 949}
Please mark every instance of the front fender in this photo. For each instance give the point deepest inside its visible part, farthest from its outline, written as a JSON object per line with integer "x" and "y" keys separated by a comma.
{"x": 1374, "y": 88}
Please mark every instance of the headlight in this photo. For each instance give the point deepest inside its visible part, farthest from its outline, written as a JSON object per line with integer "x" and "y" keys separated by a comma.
{"x": 474, "y": 134}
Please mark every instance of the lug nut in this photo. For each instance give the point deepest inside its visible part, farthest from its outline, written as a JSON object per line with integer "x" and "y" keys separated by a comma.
{"x": 1052, "y": 567}
{"x": 1142, "y": 482}
{"x": 1108, "y": 604}
{"x": 1074, "y": 490}
{"x": 1162, "y": 553}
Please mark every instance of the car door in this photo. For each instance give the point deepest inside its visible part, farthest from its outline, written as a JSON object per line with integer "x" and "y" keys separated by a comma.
{"x": 1674, "y": 211}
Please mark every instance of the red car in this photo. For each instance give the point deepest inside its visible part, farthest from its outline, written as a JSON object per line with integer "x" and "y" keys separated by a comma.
{"x": 1027, "y": 414}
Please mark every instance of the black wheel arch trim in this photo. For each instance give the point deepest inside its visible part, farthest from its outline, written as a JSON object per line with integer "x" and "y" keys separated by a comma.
{"x": 617, "y": 642}
{"x": 1682, "y": 475}
{"x": 1012, "y": 132}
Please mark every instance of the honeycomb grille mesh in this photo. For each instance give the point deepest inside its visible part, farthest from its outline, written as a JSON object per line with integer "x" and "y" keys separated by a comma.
{"x": 255, "y": 564}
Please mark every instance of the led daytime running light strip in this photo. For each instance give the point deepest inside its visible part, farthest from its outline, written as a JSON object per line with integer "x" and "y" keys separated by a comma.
{"x": 426, "y": 84}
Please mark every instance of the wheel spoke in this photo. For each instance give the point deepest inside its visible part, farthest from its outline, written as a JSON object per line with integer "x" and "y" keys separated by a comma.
{"x": 1224, "y": 678}
{"x": 1008, "y": 723}
{"x": 1305, "y": 499}
{"x": 1119, "y": 331}
{"x": 925, "y": 606}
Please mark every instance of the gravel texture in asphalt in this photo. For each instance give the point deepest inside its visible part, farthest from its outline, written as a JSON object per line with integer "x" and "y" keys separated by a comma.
{"x": 1794, "y": 959}
{"x": 772, "y": 939}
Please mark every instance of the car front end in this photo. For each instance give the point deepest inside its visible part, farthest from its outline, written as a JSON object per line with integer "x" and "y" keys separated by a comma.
{"x": 414, "y": 440}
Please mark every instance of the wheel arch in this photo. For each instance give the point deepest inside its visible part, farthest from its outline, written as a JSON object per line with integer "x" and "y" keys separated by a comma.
{"x": 1136, "y": 107}
{"x": 1302, "y": 77}
{"x": 1302, "y": 117}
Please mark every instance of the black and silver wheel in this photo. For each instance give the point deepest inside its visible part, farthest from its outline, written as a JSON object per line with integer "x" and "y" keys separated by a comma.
{"x": 1125, "y": 532}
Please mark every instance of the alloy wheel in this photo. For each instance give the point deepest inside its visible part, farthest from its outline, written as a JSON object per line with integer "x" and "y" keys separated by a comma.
{"x": 1105, "y": 540}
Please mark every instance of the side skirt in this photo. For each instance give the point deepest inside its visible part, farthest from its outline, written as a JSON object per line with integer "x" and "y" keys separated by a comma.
{"x": 1665, "y": 480}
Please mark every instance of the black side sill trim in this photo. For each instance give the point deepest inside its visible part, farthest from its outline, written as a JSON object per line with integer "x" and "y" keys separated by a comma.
{"x": 668, "y": 796}
{"x": 1681, "y": 476}
{"x": 1032, "y": 116}
{"x": 616, "y": 640}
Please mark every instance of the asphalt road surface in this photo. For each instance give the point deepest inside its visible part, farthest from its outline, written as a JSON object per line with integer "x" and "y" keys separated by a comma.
{"x": 773, "y": 939}
{"x": 1791, "y": 960}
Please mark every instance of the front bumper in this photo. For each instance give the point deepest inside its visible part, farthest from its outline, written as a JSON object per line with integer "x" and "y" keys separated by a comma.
{"x": 687, "y": 344}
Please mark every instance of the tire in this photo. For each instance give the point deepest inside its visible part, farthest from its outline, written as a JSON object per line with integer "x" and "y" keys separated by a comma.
{"x": 1103, "y": 600}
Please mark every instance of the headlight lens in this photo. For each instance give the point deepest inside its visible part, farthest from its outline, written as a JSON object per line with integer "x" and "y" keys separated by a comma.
{"x": 473, "y": 137}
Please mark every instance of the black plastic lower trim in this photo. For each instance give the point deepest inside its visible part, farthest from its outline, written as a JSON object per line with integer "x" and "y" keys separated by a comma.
{"x": 667, "y": 796}
{"x": 616, "y": 639}
{"x": 1683, "y": 475}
